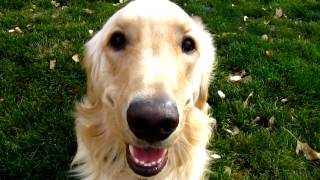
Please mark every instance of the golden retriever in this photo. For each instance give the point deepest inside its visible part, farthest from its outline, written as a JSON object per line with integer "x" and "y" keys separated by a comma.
{"x": 145, "y": 114}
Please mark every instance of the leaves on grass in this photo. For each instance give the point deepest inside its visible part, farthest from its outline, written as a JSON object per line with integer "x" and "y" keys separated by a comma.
{"x": 246, "y": 102}
{"x": 240, "y": 76}
{"x": 265, "y": 37}
{"x": 269, "y": 53}
{"x": 307, "y": 151}
{"x": 235, "y": 131}
{"x": 88, "y": 11}
{"x": 52, "y": 64}
{"x": 76, "y": 58}
{"x": 271, "y": 123}
{"x": 245, "y": 18}
{"x": 284, "y": 100}
{"x": 23, "y": 85}
{"x": 227, "y": 170}
{"x": 90, "y": 31}
{"x": 279, "y": 13}
{"x": 1, "y": 99}
{"x": 221, "y": 94}
{"x": 16, "y": 29}
{"x": 215, "y": 156}
{"x": 55, "y": 3}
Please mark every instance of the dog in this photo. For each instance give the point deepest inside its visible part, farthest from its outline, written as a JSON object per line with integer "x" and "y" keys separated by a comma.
{"x": 145, "y": 114}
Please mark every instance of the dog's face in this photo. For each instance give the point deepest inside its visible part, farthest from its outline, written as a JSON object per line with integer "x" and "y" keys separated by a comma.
{"x": 149, "y": 64}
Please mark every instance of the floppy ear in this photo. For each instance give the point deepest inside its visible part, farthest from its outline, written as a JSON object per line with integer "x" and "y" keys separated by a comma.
{"x": 206, "y": 65}
{"x": 87, "y": 63}
{"x": 201, "y": 102}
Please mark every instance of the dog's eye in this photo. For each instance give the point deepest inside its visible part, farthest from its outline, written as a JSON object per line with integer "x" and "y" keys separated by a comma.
{"x": 118, "y": 41}
{"x": 188, "y": 45}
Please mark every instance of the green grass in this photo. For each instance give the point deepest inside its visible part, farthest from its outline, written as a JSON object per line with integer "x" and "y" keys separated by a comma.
{"x": 36, "y": 126}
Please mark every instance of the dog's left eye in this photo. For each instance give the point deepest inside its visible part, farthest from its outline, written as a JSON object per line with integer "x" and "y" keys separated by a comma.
{"x": 118, "y": 41}
{"x": 188, "y": 45}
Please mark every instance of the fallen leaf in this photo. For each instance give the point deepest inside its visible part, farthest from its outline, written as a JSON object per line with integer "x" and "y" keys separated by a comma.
{"x": 88, "y": 11}
{"x": 264, "y": 37}
{"x": 90, "y": 31}
{"x": 269, "y": 53}
{"x": 271, "y": 122}
{"x": 23, "y": 85}
{"x": 246, "y": 102}
{"x": 221, "y": 94}
{"x": 307, "y": 151}
{"x": 1, "y": 14}
{"x": 235, "y": 131}
{"x": 232, "y": 5}
{"x": 1, "y": 99}
{"x": 284, "y": 100}
{"x": 245, "y": 18}
{"x": 52, "y": 64}
{"x": 257, "y": 120}
{"x": 227, "y": 170}
{"x": 215, "y": 156}
{"x": 76, "y": 58}
{"x": 279, "y": 13}
{"x": 17, "y": 29}
{"x": 64, "y": 7}
{"x": 235, "y": 78}
{"x": 55, "y": 3}
{"x": 266, "y": 22}
{"x": 11, "y": 30}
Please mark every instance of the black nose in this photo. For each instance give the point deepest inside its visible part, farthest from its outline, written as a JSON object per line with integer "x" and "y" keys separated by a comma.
{"x": 153, "y": 119}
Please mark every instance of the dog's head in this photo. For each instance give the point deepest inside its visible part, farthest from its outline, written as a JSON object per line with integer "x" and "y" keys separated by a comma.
{"x": 149, "y": 65}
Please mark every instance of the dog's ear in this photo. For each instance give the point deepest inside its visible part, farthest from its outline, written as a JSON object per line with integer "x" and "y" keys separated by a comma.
{"x": 207, "y": 60}
{"x": 201, "y": 102}
{"x": 197, "y": 20}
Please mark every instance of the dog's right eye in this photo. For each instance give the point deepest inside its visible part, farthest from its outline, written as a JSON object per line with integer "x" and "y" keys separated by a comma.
{"x": 118, "y": 41}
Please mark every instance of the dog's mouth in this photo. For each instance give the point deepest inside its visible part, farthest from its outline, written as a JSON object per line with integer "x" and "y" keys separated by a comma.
{"x": 146, "y": 161}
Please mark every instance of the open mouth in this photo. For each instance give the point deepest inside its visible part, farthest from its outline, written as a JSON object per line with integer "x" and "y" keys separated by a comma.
{"x": 146, "y": 161}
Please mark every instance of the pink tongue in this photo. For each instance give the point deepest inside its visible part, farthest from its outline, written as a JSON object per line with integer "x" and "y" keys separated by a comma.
{"x": 148, "y": 155}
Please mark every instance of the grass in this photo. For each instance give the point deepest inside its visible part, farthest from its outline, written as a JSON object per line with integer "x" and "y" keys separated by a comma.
{"x": 36, "y": 126}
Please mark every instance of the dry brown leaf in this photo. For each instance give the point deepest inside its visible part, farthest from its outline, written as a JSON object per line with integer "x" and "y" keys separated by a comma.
{"x": 221, "y": 94}
{"x": 55, "y": 3}
{"x": 215, "y": 156}
{"x": 245, "y": 18}
{"x": 227, "y": 170}
{"x": 284, "y": 100}
{"x": 307, "y": 151}
{"x": 88, "y": 11}
{"x": 265, "y": 37}
{"x": 17, "y": 29}
{"x": 52, "y": 64}
{"x": 235, "y": 131}
{"x": 76, "y": 58}
{"x": 235, "y": 78}
{"x": 246, "y": 102}
{"x": 271, "y": 122}
{"x": 269, "y": 53}
{"x": 266, "y": 22}
{"x": 279, "y": 12}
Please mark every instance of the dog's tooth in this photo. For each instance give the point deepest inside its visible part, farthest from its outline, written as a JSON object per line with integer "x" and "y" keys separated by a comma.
{"x": 141, "y": 162}
{"x": 136, "y": 160}
{"x": 131, "y": 150}
{"x": 159, "y": 160}
{"x": 153, "y": 163}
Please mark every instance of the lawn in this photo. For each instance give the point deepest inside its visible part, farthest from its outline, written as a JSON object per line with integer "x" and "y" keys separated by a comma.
{"x": 279, "y": 53}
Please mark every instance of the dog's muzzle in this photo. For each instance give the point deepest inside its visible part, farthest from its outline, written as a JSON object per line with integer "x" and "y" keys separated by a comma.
{"x": 151, "y": 120}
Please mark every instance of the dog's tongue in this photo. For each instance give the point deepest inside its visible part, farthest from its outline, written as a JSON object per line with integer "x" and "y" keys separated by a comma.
{"x": 147, "y": 155}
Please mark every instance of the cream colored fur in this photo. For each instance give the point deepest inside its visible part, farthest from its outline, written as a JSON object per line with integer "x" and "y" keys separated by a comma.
{"x": 152, "y": 64}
